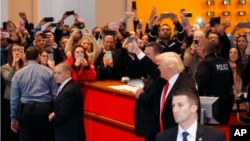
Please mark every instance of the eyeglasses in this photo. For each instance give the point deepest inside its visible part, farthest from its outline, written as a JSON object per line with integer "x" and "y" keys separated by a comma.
{"x": 45, "y": 56}
{"x": 213, "y": 38}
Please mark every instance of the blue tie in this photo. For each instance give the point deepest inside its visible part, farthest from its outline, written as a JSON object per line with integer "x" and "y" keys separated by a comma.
{"x": 185, "y": 134}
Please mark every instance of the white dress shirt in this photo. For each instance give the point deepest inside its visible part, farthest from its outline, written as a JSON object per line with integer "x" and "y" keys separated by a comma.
{"x": 62, "y": 85}
{"x": 191, "y": 130}
{"x": 171, "y": 82}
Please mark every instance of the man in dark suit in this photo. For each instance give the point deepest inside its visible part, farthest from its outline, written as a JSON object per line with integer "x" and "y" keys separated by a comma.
{"x": 104, "y": 64}
{"x": 169, "y": 76}
{"x": 68, "y": 115}
{"x": 144, "y": 109}
{"x": 185, "y": 105}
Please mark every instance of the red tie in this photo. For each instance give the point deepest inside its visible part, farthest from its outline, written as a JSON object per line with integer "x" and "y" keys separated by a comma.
{"x": 163, "y": 99}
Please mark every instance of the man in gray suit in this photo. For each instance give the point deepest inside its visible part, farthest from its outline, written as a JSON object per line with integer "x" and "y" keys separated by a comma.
{"x": 68, "y": 115}
{"x": 185, "y": 105}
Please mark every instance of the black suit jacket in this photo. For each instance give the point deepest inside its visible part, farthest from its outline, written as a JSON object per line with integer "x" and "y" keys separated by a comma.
{"x": 203, "y": 133}
{"x": 68, "y": 119}
{"x": 144, "y": 111}
{"x": 146, "y": 124}
{"x": 183, "y": 81}
{"x": 108, "y": 72}
{"x": 128, "y": 65}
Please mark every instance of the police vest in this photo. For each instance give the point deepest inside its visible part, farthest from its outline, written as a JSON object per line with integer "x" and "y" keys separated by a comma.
{"x": 221, "y": 76}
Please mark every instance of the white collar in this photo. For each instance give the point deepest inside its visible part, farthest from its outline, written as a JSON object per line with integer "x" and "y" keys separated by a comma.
{"x": 63, "y": 84}
{"x": 172, "y": 80}
{"x": 191, "y": 130}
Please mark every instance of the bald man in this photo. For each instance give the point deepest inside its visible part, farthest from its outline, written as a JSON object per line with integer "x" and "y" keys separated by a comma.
{"x": 68, "y": 115}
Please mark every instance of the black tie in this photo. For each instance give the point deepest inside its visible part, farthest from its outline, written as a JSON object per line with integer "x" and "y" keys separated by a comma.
{"x": 185, "y": 134}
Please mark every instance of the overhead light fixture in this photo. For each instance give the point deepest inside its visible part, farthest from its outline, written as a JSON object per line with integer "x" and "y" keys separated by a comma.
{"x": 242, "y": 2}
{"x": 226, "y": 2}
{"x": 210, "y": 2}
{"x": 200, "y": 22}
{"x": 241, "y": 13}
{"x": 225, "y": 13}
{"x": 210, "y": 13}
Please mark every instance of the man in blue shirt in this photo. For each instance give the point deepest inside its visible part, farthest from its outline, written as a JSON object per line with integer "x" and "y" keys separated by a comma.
{"x": 33, "y": 90}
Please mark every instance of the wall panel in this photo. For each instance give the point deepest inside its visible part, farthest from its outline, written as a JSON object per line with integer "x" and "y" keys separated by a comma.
{"x": 198, "y": 7}
{"x": 27, "y": 6}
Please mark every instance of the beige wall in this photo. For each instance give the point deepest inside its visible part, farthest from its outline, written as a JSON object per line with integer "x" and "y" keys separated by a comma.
{"x": 27, "y": 6}
{"x": 100, "y": 12}
{"x": 109, "y": 11}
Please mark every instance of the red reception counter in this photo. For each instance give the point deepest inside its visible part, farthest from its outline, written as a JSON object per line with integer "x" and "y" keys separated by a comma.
{"x": 108, "y": 113}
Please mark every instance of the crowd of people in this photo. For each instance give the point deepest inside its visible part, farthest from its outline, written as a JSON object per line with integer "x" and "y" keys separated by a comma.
{"x": 44, "y": 67}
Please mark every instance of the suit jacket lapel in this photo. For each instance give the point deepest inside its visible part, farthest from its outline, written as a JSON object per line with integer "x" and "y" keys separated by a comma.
{"x": 173, "y": 136}
{"x": 176, "y": 84}
{"x": 64, "y": 87}
{"x": 199, "y": 133}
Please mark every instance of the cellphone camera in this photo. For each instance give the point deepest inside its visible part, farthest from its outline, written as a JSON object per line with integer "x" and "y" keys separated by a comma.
{"x": 44, "y": 35}
{"x": 131, "y": 40}
{"x": 196, "y": 41}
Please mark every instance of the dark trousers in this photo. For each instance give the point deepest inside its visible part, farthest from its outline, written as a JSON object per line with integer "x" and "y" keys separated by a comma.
{"x": 6, "y": 133}
{"x": 33, "y": 122}
{"x": 226, "y": 105}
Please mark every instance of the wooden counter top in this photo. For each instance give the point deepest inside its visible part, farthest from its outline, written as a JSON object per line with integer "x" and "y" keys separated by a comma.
{"x": 103, "y": 85}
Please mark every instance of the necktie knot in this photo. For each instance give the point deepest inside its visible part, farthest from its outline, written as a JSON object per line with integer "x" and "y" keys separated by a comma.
{"x": 185, "y": 134}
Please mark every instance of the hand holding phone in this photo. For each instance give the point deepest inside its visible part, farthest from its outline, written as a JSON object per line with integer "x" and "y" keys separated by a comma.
{"x": 48, "y": 19}
{"x": 81, "y": 55}
{"x": 6, "y": 34}
{"x": 166, "y": 15}
{"x": 214, "y": 20}
{"x": 109, "y": 32}
{"x": 55, "y": 24}
{"x": 185, "y": 22}
{"x": 108, "y": 54}
{"x": 51, "y": 57}
{"x": 113, "y": 26}
{"x": 44, "y": 35}
{"x": 243, "y": 25}
{"x": 188, "y": 14}
{"x": 134, "y": 5}
{"x": 196, "y": 41}
{"x": 80, "y": 25}
{"x": 4, "y": 25}
{"x": 131, "y": 40}
{"x": 70, "y": 12}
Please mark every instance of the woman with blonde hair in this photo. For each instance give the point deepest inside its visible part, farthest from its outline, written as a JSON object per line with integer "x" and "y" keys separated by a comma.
{"x": 90, "y": 45}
